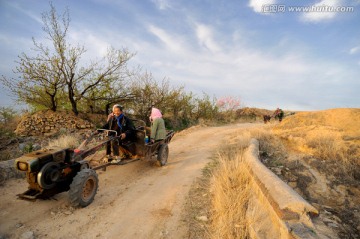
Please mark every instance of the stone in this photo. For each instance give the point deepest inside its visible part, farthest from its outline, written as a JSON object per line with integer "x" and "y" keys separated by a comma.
{"x": 333, "y": 225}
{"x": 163, "y": 233}
{"x": 27, "y": 235}
{"x": 36, "y": 147}
{"x": 18, "y": 225}
{"x": 22, "y": 146}
{"x": 62, "y": 130}
{"x": 328, "y": 220}
{"x": 202, "y": 218}
{"x": 67, "y": 212}
{"x": 3, "y": 178}
{"x": 327, "y": 212}
{"x": 292, "y": 184}
{"x": 49, "y": 134}
{"x": 277, "y": 171}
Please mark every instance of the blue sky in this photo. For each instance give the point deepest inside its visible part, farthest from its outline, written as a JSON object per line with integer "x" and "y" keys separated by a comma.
{"x": 293, "y": 60}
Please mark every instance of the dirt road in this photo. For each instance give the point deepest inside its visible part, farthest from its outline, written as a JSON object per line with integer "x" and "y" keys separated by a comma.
{"x": 136, "y": 200}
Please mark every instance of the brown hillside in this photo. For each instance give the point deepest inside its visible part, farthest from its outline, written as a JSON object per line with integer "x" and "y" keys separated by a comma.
{"x": 246, "y": 111}
{"x": 335, "y": 132}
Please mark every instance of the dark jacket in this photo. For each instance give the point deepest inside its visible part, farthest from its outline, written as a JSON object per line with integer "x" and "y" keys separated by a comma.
{"x": 127, "y": 127}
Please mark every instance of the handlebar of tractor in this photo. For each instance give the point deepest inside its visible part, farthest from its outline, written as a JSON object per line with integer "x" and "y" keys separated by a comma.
{"x": 80, "y": 153}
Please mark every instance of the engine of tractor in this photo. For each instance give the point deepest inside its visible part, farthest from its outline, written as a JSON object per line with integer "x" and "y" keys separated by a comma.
{"x": 47, "y": 171}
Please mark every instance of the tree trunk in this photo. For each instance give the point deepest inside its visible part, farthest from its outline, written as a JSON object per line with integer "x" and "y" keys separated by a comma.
{"x": 72, "y": 95}
{"x": 72, "y": 100}
{"x": 74, "y": 106}
{"x": 107, "y": 107}
{"x": 53, "y": 104}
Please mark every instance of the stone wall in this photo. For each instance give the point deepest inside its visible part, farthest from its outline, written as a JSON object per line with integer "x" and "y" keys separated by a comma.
{"x": 7, "y": 171}
{"x": 45, "y": 123}
{"x": 275, "y": 210}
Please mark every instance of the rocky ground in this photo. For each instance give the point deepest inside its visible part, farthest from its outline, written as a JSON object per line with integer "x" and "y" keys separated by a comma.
{"x": 335, "y": 195}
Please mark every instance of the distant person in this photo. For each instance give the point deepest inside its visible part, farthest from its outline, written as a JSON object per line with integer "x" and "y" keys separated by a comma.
{"x": 279, "y": 113}
{"x": 158, "y": 131}
{"x": 124, "y": 127}
{"x": 266, "y": 118}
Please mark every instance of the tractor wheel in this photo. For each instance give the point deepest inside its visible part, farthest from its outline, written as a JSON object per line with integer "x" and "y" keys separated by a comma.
{"x": 163, "y": 154}
{"x": 83, "y": 188}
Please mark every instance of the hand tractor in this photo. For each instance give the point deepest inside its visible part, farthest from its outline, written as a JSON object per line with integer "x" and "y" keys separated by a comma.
{"x": 54, "y": 170}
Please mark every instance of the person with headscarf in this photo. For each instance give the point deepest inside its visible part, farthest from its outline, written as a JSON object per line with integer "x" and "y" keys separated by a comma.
{"x": 158, "y": 131}
{"x": 124, "y": 127}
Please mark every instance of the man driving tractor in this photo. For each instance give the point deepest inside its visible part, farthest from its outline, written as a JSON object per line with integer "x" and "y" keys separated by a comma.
{"x": 124, "y": 127}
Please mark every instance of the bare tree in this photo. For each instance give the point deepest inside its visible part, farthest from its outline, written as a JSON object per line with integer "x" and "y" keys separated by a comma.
{"x": 59, "y": 69}
{"x": 174, "y": 102}
{"x": 100, "y": 99}
{"x": 148, "y": 93}
{"x": 41, "y": 79}
{"x": 6, "y": 115}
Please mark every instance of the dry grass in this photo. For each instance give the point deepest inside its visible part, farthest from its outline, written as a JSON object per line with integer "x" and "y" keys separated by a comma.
{"x": 327, "y": 145}
{"x": 230, "y": 190}
{"x": 65, "y": 141}
{"x": 221, "y": 195}
{"x": 270, "y": 145}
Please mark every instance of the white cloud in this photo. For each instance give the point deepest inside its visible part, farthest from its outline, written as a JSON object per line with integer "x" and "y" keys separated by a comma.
{"x": 171, "y": 42}
{"x": 28, "y": 13}
{"x": 259, "y": 75}
{"x": 257, "y": 5}
{"x": 95, "y": 45}
{"x": 162, "y": 4}
{"x": 233, "y": 70}
{"x": 319, "y": 11}
{"x": 354, "y": 50}
{"x": 11, "y": 43}
{"x": 205, "y": 38}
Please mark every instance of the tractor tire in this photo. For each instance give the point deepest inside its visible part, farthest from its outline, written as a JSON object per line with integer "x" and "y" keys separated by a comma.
{"x": 163, "y": 154}
{"x": 83, "y": 188}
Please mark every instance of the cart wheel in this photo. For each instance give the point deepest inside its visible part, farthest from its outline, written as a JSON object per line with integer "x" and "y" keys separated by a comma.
{"x": 83, "y": 188}
{"x": 163, "y": 154}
